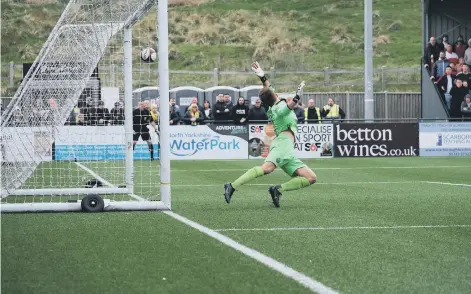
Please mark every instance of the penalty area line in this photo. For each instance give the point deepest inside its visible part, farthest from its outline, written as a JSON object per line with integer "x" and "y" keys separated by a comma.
{"x": 343, "y": 228}
{"x": 449, "y": 184}
{"x": 287, "y": 271}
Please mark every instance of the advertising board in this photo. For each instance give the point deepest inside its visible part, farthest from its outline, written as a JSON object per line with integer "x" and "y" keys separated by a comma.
{"x": 311, "y": 140}
{"x": 376, "y": 140}
{"x": 445, "y": 139}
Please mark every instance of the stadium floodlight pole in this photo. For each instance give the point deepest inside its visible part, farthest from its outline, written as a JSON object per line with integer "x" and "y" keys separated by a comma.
{"x": 368, "y": 31}
{"x": 162, "y": 16}
{"x": 128, "y": 130}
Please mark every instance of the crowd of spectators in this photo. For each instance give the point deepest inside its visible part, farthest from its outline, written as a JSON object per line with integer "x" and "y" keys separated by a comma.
{"x": 223, "y": 112}
{"x": 449, "y": 66}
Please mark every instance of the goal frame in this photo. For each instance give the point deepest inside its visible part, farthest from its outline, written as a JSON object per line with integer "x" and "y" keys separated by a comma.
{"x": 110, "y": 205}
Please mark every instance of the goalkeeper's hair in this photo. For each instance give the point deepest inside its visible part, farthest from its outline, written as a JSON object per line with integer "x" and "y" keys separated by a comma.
{"x": 267, "y": 96}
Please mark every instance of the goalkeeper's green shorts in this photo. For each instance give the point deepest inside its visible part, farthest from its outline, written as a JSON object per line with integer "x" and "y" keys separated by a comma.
{"x": 282, "y": 154}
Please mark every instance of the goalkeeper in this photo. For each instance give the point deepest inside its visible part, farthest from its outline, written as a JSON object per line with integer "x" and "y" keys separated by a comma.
{"x": 281, "y": 153}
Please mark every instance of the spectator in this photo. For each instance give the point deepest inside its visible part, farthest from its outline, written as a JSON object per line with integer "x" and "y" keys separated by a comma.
{"x": 154, "y": 113}
{"x": 223, "y": 110}
{"x": 88, "y": 111}
{"x": 240, "y": 112}
{"x": 445, "y": 83}
{"x": 459, "y": 66}
{"x": 465, "y": 75}
{"x": 102, "y": 115}
{"x": 440, "y": 65}
{"x": 175, "y": 107}
{"x": 117, "y": 114}
{"x": 194, "y": 100}
{"x": 460, "y": 46}
{"x": 174, "y": 115}
{"x": 299, "y": 111}
{"x": 458, "y": 92}
{"x": 444, "y": 43}
{"x": 312, "y": 113}
{"x": 432, "y": 50}
{"x": 208, "y": 112}
{"x": 450, "y": 55}
{"x": 466, "y": 107}
{"x": 257, "y": 112}
{"x": 467, "y": 54}
{"x": 193, "y": 116}
{"x": 227, "y": 99}
{"x": 332, "y": 111}
{"x": 453, "y": 69}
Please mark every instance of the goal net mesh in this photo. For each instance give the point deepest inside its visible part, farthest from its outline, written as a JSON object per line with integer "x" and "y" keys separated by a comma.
{"x": 64, "y": 131}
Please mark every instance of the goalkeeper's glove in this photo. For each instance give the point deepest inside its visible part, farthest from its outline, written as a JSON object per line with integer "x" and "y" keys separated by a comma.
{"x": 299, "y": 92}
{"x": 259, "y": 71}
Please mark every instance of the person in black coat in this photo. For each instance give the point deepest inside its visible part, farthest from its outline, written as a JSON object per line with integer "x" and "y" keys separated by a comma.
{"x": 117, "y": 114}
{"x": 257, "y": 112}
{"x": 240, "y": 112}
{"x": 174, "y": 116}
{"x": 222, "y": 111}
{"x": 458, "y": 92}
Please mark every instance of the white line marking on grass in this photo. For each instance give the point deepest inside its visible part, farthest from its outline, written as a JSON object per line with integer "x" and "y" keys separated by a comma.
{"x": 95, "y": 175}
{"x": 339, "y": 183}
{"x": 449, "y": 184}
{"x": 302, "y": 279}
{"x": 343, "y": 228}
{"x": 328, "y": 168}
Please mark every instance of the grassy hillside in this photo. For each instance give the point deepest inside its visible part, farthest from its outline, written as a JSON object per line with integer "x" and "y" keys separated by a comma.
{"x": 229, "y": 34}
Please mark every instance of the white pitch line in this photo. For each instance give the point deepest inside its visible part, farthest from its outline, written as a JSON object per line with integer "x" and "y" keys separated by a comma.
{"x": 95, "y": 175}
{"x": 329, "y": 168}
{"x": 339, "y": 183}
{"x": 449, "y": 184}
{"x": 342, "y": 228}
{"x": 301, "y": 278}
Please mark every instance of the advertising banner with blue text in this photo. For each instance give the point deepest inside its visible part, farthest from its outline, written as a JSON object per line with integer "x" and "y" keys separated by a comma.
{"x": 445, "y": 139}
{"x": 208, "y": 142}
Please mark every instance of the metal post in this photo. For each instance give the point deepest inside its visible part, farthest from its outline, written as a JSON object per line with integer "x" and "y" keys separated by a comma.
{"x": 386, "y": 105}
{"x": 347, "y": 115}
{"x": 369, "y": 101}
{"x": 12, "y": 74}
{"x": 128, "y": 109}
{"x": 272, "y": 75}
{"x": 383, "y": 77}
{"x": 162, "y": 13}
{"x": 215, "y": 77}
{"x": 326, "y": 76}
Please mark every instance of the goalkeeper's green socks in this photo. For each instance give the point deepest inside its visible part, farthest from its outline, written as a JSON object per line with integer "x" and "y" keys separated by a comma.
{"x": 249, "y": 175}
{"x": 294, "y": 184}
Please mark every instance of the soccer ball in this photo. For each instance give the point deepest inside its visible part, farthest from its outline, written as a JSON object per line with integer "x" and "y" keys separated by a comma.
{"x": 148, "y": 54}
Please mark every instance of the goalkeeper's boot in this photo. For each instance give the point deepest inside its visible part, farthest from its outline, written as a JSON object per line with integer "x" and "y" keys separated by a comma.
{"x": 275, "y": 194}
{"x": 228, "y": 191}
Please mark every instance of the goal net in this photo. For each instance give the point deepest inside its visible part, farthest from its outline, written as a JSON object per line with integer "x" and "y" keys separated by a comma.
{"x": 67, "y": 135}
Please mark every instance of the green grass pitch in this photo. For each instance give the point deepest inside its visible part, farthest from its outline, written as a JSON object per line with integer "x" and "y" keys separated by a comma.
{"x": 370, "y": 225}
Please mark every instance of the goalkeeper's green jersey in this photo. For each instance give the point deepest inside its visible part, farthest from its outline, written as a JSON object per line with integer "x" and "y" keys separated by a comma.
{"x": 283, "y": 118}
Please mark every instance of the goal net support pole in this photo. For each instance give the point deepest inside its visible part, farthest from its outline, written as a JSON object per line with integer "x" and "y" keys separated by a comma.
{"x": 162, "y": 16}
{"x": 129, "y": 156}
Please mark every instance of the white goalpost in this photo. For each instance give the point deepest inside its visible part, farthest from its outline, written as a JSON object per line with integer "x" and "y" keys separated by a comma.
{"x": 60, "y": 150}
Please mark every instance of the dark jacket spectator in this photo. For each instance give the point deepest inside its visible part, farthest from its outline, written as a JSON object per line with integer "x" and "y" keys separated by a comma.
{"x": 227, "y": 99}
{"x": 299, "y": 111}
{"x": 460, "y": 46}
{"x": 208, "y": 112}
{"x": 432, "y": 49}
{"x": 117, "y": 114}
{"x": 257, "y": 112}
{"x": 466, "y": 107}
{"x": 174, "y": 116}
{"x": 312, "y": 113}
{"x": 193, "y": 116}
{"x": 440, "y": 66}
{"x": 458, "y": 92}
{"x": 194, "y": 100}
{"x": 100, "y": 115}
{"x": 443, "y": 42}
{"x": 465, "y": 75}
{"x": 222, "y": 110}
{"x": 240, "y": 112}
{"x": 446, "y": 82}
